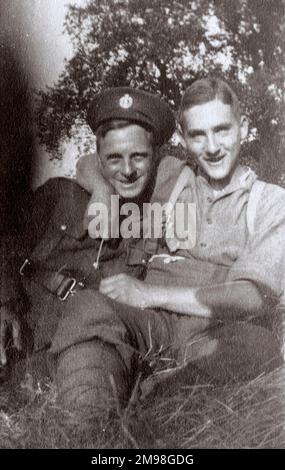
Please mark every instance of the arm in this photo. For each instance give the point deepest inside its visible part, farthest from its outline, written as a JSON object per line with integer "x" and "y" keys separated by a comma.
{"x": 232, "y": 300}
{"x": 228, "y": 301}
{"x": 89, "y": 175}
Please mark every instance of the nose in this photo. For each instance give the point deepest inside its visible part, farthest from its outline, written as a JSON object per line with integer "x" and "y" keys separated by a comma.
{"x": 212, "y": 146}
{"x": 127, "y": 168}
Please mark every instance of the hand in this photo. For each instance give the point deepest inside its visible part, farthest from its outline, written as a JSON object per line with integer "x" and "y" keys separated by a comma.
{"x": 8, "y": 323}
{"x": 90, "y": 175}
{"x": 127, "y": 290}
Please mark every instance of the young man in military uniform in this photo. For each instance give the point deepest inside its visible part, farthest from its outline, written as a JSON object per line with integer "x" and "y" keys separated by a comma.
{"x": 59, "y": 257}
{"x": 205, "y": 307}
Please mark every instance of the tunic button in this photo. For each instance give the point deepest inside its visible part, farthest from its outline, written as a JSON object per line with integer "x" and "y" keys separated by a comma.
{"x": 209, "y": 221}
{"x": 143, "y": 261}
{"x": 63, "y": 227}
{"x": 203, "y": 245}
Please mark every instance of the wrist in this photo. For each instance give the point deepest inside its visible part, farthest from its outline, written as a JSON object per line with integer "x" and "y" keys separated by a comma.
{"x": 155, "y": 296}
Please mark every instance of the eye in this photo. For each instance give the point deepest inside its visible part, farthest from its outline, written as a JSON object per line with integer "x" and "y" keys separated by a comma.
{"x": 196, "y": 136}
{"x": 222, "y": 131}
{"x": 114, "y": 158}
{"x": 139, "y": 157}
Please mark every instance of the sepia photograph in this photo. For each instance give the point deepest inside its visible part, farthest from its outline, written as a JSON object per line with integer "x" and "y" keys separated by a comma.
{"x": 142, "y": 227}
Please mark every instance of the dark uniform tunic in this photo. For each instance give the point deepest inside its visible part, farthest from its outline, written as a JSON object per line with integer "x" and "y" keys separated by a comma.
{"x": 58, "y": 249}
{"x": 56, "y": 242}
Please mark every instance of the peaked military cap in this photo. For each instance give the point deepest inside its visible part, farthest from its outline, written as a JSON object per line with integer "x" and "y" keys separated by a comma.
{"x": 134, "y": 105}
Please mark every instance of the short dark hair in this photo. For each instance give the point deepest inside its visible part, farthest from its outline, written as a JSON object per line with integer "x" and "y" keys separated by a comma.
{"x": 208, "y": 89}
{"x": 114, "y": 124}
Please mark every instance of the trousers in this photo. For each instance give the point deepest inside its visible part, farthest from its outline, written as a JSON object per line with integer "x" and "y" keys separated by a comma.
{"x": 144, "y": 341}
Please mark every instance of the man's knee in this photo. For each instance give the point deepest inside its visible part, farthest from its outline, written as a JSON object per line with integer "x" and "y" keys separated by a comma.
{"x": 88, "y": 316}
{"x": 91, "y": 377}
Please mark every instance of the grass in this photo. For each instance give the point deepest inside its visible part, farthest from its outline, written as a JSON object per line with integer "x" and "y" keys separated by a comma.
{"x": 169, "y": 414}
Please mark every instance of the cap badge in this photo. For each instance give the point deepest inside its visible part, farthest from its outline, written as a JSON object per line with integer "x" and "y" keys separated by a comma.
{"x": 126, "y": 101}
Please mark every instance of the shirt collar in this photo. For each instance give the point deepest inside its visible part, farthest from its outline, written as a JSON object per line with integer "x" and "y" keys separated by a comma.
{"x": 243, "y": 178}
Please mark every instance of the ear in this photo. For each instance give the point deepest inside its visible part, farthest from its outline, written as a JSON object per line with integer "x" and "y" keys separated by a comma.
{"x": 180, "y": 136}
{"x": 243, "y": 128}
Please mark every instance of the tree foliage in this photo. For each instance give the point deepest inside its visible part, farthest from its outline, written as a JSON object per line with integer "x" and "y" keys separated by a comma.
{"x": 162, "y": 46}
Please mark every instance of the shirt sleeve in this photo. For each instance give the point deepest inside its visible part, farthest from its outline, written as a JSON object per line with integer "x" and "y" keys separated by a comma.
{"x": 263, "y": 259}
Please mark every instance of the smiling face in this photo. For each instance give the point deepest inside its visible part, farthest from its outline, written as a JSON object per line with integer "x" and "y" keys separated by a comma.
{"x": 212, "y": 133}
{"x": 127, "y": 159}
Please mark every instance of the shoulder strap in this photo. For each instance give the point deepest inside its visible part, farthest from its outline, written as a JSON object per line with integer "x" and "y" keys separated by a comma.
{"x": 253, "y": 200}
{"x": 177, "y": 189}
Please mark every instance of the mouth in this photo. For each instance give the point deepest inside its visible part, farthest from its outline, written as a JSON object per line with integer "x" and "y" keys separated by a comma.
{"x": 128, "y": 183}
{"x": 132, "y": 181}
{"x": 215, "y": 161}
